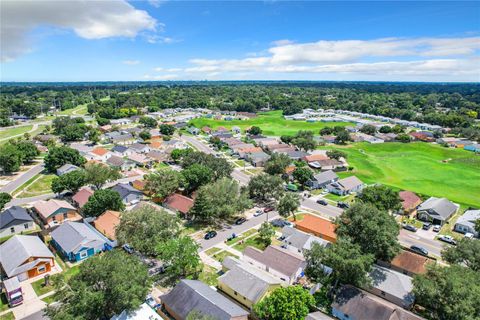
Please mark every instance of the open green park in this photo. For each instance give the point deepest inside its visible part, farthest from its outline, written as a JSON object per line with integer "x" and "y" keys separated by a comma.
{"x": 272, "y": 123}
{"x": 427, "y": 169}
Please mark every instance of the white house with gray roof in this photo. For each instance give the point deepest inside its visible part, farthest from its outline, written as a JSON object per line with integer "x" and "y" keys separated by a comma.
{"x": 15, "y": 220}
{"x": 322, "y": 179}
{"x": 346, "y": 186}
{"x": 66, "y": 168}
{"x": 296, "y": 241}
{"x": 436, "y": 210}
{"x": 466, "y": 222}
{"x": 392, "y": 286}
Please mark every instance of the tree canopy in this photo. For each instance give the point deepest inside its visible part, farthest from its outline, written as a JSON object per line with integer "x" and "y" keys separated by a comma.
{"x": 289, "y": 303}
{"x": 4, "y": 199}
{"x": 58, "y": 156}
{"x": 288, "y": 204}
{"x": 382, "y": 197}
{"x": 302, "y": 175}
{"x": 196, "y": 176}
{"x": 70, "y": 181}
{"x": 102, "y": 200}
{"x": 466, "y": 252}
{"x": 181, "y": 256}
{"x": 219, "y": 166}
{"x": 97, "y": 174}
{"x": 162, "y": 183}
{"x": 277, "y": 164}
{"x": 265, "y": 187}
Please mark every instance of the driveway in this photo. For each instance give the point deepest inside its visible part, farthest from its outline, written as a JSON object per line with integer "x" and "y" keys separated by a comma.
{"x": 31, "y": 302}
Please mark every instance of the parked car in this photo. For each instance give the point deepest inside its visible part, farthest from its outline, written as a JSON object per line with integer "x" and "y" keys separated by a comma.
{"x": 419, "y": 250}
{"x": 210, "y": 235}
{"x": 343, "y": 205}
{"x": 233, "y": 236}
{"x": 409, "y": 227}
{"x": 239, "y": 221}
{"x": 128, "y": 249}
{"x": 469, "y": 235}
{"x": 258, "y": 213}
{"x": 426, "y": 226}
{"x": 278, "y": 223}
{"x": 322, "y": 202}
{"x": 447, "y": 239}
{"x": 150, "y": 301}
{"x": 437, "y": 228}
{"x": 268, "y": 209}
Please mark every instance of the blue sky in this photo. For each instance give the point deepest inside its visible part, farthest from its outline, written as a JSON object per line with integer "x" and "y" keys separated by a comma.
{"x": 181, "y": 40}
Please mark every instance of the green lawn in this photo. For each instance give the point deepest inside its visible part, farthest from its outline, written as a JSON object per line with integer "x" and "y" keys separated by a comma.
{"x": 3, "y": 302}
{"x": 77, "y": 111}
{"x": 252, "y": 242}
{"x": 212, "y": 251}
{"x": 424, "y": 168}
{"x": 40, "y": 289}
{"x": 7, "y": 133}
{"x": 8, "y": 316}
{"x": 222, "y": 255}
{"x": 209, "y": 276}
{"x": 272, "y": 123}
{"x": 38, "y": 187}
{"x": 241, "y": 236}
{"x": 49, "y": 299}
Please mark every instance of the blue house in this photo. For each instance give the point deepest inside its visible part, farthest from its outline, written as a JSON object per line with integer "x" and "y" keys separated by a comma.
{"x": 76, "y": 241}
{"x": 472, "y": 147}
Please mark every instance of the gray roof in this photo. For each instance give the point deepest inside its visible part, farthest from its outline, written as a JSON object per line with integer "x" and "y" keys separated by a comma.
{"x": 189, "y": 295}
{"x": 66, "y": 168}
{"x": 248, "y": 281}
{"x": 326, "y": 176}
{"x": 301, "y": 240}
{"x": 72, "y": 236}
{"x": 350, "y": 183}
{"x": 16, "y": 250}
{"x": 392, "y": 282}
{"x": 11, "y": 284}
{"x": 277, "y": 258}
{"x": 119, "y": 149}
{"x": 115, "y": 161}
{"x": 441, "y": 208}
{"x": 124, "y": 189}
{"x": 138, "y": 146}
{"x": 13, "y": 216}
{"x": 318, "y": 316}
{"x": 122, "y": 137}
{"x": 469, "y": 218}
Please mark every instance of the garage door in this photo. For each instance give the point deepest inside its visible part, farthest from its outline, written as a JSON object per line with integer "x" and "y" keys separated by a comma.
{"x": 22, "y": 276}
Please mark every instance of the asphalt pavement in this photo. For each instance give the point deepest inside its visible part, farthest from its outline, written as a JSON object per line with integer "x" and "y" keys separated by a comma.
{"x": 408, "y": 238}
{"x": 12, "y": 186}
{"x": 328, "y": 210}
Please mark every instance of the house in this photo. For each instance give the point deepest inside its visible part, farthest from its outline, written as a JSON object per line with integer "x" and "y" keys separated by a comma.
{"x": 121, "y": 151}
{"x": 25, "y": 257}
{"x": 122, "y": 138}
{"x": 265, "y": 142}
{"x": 318, "y": 315}
{"x": 144, "y": 312}
{"x": 53, "y": 212}
{"x": 280, "y": 262}
{"x": 258, "y": 159}
{"x": 408, "y": 263}
{"x": 139, "y": 148}
{"x": 13, "y": 291}
{"x": 120, "y": 163}
{"x": 66, "y": 168}
{"x": 120, "y": 122}
{"x": 297, "y": 241}
{"x": 207, "y": 130}
{"x": 315, "y": 157}
{"x": 236, "y": 130}
{"x": 128, "y": 194}
{"x": 193, "y": 130}
{"x": 244, "y": 151}
{"x": 466, "y": 222}
{"x": 107, "y": 222}
{"x": 410, "y": 202}
{"x": 351, "y": 303}
{"x": 346, "y": 186}
{"x": 473, "y": 147}
{"x": 157, "y": 156}
{"x": 327, "y": 164}
{"x": 99, "y": 154}
{"x": 81, "y": 197}
{"x": 155, "y": 145}
{"x": 190, "y": 295}
{"x": 392, "y": 286}
{"x": 320, "y": 227}
{"x": 77, "y": 241}
{"x": 293, "y": 154}
{"x": 422, "y": 136}
{"x": 322, "y": 179}
{"x": 245, "y": 283}
{"x": 15, "y": 220}
{"x": 139, "y": 184}
{"x": 139, "y": 159}
{"x": 436, "y": 210}
{"x": 178, "y": 203}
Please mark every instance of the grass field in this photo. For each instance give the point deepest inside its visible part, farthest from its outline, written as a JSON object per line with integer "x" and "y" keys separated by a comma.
{"x": 7, "y": 133}
{"x": 38, "y": 186}
{"x": 424, "y": 168}
{"x": 78, "y": 110}
{"x": 272, "y": 123}
{"x": 8, "y": 316}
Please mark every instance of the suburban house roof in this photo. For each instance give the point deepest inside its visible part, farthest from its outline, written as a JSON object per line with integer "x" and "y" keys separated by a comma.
{"x": 115, "y": 161}
{"x": 469, "y": 218}
{"x": 14, "y": 215}
{"x": 350, "y": 183}
{"x": 18, "y": 249}
{"x": 49, "y": 207}
{"x": 315, "y": 157}
{"x": 301, "y": 240}
{"x": 66, "y": 168}
{"x": 318, "y": 315}
{"x": 138, "y": 146}
{"x": 325, "y": 176}
{"x": 99, "y": 151}
{"x": 393, "y": 283}
{"x": 441, "y": 208}
{"x": 189, "y": 295}
{"x": 143, "y": 312}
{"x": 409, "y": 200}
{"x": 124, "y": 189}
{"x": 179, "y": 202}
{"x": 137, "y": 157}
{"x": 247, "y": 280}
{"x": 410, "y": 262}
{"x": 157, "y": 155}
{"x": 119, "y": 149}
{"x": 73, "y": 236}
{"x": 277, "y": 258}
{"x": 361, "y": 305}
{"x": 107, "y": 222}
{"x": 82, "y": 196}
{"x": 155, "y": 144}
{"x": 317, "y": 225}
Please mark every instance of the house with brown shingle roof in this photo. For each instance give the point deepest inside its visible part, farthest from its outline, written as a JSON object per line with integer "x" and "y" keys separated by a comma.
{"x": 107, "y": 222}
{"x": 53, "y": 212}
{"x": 408, "y": 263}
{"x": 410, "y": 202}
{"x": 178, "y": 203}
{"x": 81, "y": 197}
{"x": 317, "y": 226}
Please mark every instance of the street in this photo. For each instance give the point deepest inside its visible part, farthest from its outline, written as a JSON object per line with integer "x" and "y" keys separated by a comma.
{"x": 328, "y": 210}
{"x": 12, "y": 186}
{"x": 408, "y": 238}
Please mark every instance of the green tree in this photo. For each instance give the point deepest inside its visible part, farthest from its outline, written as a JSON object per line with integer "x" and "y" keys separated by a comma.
{"x": 265, "y": 187}
{"x": 286, "y": 139}
{"x": 98, "y": 174}
{"x": 349, "y": 264}
{"x": 27, "y": 149}
{"x": 375, "y": 231}
{"x": 466, "y": 252}
{"x": 179, "y": 154}
{"x": 255, "y": 131}
{"x": 277, "y": 164}
{"x": 102, "y": 200}
{"x": 181, "y": 256}
{"x": 449, "y": 293}
{"x": 148, "y": 122}
{"x": 219, "y": 166}
{"x": 162, "y": 183}
{"x": 398, "y": 129}
{"x": 94, "y": 135}
{"x": 326, "y": 131}
{"x": 336, "y": 154}
{"x": 289, "y": 303}
{"x": 167, "y": 129}
{"x": 288, "y": 204}
{"x": 58, "y": 156}
{"x": 71, "y": 181}
{"x": 10, "y": 158}
{"x": 402, "y": 137}
{"x": 147, "y": 228}
{"x": 196, "y": 176}
{"x": 145, "y": 135}
{"x": 343, "y": 137}
{"x": 302, "y": 175}
{"x": 368, "y": 129}
{"x": 105, "y": 285}
{"x": 4, "y": 199}
{"x": 266, "y": 232}
{"x": 385, "y": 129}
{"x": 382, "y": 197}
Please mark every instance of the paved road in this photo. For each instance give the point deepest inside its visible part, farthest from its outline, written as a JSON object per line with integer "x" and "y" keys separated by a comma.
{"x": 23, "y": 201}
{"x": 408, "y": 238}
{"x": 12, "y": 186}
{"x": 328, "y": 210}
{"x": 241, "y": 177}
{"x": 249, "y": 224}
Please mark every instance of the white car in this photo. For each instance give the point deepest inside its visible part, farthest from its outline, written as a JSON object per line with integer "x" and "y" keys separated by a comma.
{"x": 447, "y": 239}
{"x": 469, "y": 235}
{"x": 258, "y": 213}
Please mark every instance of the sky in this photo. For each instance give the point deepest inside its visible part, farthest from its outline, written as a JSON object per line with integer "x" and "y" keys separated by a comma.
{"x": 160, "y": 40}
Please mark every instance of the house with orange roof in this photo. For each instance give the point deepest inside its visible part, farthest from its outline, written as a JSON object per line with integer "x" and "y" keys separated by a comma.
{"x": 99, "y": 154}
{"x": 156, "y": 144}
{"x": 317, "y": 226}
{"x": 54, "y": 212}
{"x": 178, "y": 203}
{"x": 408, "y": 263}
{"x": 107, "y": 222}
{"x": 410, "y": 202}
{"x": 315, "y": 157}
{"x": 139, "y": 184}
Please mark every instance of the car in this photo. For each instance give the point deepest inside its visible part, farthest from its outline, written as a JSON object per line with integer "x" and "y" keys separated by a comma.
{"x": 268, "y": 209}
{"x": 447, "y": 239}
{"x": 258, "y": 213}
{"x": 233, "y": 236}
{"x": 426, "y": 226}
{"x": 343, "y": 205}
{"x": 210, "y": 235}
{"x": 469, "y": 235}
{"x": 419, "y": 250}
{"x": 322, "y": 202}
{"x": 239, "y": 221}
{"x": 150, "y": 301}
{"x": 128, "y": 249}
{"x": 437, "y": 228}
{"x": 278, "y": 223}
{"x": 409, "y": 227}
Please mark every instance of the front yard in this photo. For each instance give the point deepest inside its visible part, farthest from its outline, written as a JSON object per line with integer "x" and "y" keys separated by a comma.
{"x": 38, "y": 185}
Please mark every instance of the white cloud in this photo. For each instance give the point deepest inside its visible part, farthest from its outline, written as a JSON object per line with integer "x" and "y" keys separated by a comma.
{"x": 160, "y": 69}
{"x": 88, "y": 19}
{"x": 131, "y": 62}
{"x": 156, "y": 3}
{"x": 169, "y": 76}
{"x": 282, "y": 42}
{"x": 161, "y": 39}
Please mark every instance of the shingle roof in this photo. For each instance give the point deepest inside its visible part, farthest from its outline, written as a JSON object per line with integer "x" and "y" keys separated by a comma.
{"x": 409, "y": 200}
{"x": 179, "y": 202}
{"x": 325, "y": 176}
{"x": 124, "y": 189}
{"x": 277, "y": 258}
{"x": 47, "y": 208}
{"x": 317, "y": 225}
{"x": 469, "y": 218}
{"x": 107, "y": 222}
{"x": 16, "y": 250}
{"x": 99, "y": 151}
{"x": 72, "y": 236}
{"x": 119, "y": 149}
{"x": 115, "y": 161}
{"x": 66, "y": 167}
{"x": 82, "y": 196}
{"x": 350, "y": 183}
{"x": 442, "y": 208}
{"x": 189, "y": 295}
{"x": 410, "y": 261}
{"x": 392, "y": 282}
{"x": 14, "y": 215}
{"x": 301, "y": 240}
